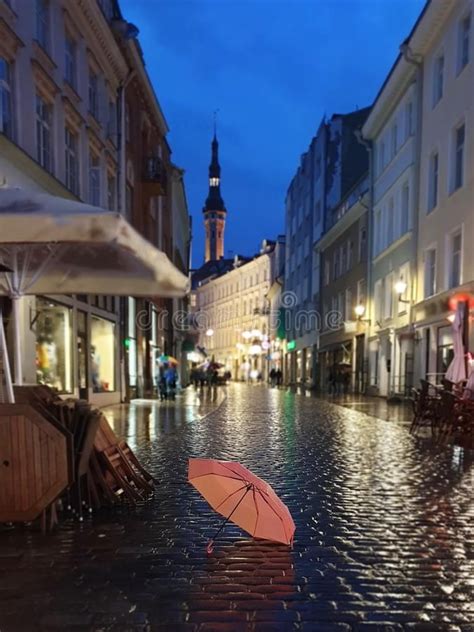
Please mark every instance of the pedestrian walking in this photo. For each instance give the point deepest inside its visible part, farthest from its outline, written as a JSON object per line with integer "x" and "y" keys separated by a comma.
{"x": 272, "y": 376}
{"x": 171, "y": 379}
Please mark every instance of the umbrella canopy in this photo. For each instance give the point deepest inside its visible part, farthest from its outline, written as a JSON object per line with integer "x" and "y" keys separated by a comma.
{"x": 457, "y": 369}
{"x": 50, "y": 245}
{"x": 58, "y": 246}
{"x": 167, "y": 359}
{"x": 238, "y": 495}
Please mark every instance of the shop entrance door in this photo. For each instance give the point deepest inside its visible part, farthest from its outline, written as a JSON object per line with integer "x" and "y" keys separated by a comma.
{"x": 82, "y": 363}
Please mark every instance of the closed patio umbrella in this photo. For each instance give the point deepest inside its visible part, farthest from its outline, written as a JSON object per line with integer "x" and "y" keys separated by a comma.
{"x": 50, "y": 245}
{"x": 456, "y": 371}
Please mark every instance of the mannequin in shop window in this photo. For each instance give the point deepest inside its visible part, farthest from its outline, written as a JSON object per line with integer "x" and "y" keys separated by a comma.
{"x": 47, "y": 355}
{"x": 95, "y": 370}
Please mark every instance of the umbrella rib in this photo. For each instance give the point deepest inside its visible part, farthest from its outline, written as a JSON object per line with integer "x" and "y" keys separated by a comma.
{"x": 41, "y": 268}
{"x": 235, "y": 478}
{"x": 256, "y": 509}
{"x": 230, "y": 496}
{"x": 231, "y": 470}
{"x": 275, "y": 512}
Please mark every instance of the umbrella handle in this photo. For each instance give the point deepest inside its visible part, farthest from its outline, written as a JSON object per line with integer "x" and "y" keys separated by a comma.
{"x": 210, "y": 544}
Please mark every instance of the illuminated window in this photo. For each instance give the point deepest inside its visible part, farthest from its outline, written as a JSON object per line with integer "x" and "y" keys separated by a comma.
{"x": 214, "y": 182}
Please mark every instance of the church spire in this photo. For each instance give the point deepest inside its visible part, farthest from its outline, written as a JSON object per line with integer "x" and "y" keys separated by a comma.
{"x": 214, "y": 208}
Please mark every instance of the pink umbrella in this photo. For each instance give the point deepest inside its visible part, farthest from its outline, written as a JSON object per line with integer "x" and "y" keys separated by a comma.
{"x": 238, "y": 495}
{"x": 457, "y": 369}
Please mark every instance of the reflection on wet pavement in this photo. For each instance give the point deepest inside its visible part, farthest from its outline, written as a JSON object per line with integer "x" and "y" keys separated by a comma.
{"x": 384, "y": 540}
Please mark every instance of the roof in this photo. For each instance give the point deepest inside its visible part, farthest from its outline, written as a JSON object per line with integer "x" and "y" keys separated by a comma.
{"x": 210, "y": 270}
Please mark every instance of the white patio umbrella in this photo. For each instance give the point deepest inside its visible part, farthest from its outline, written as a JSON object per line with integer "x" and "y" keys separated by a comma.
{"x": 456, "y": 371}
{"x": 50, "y": 245}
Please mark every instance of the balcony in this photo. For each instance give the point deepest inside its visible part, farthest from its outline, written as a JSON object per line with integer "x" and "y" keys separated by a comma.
{"x": 355, "y": 195}
{"x": 154, "y": 176}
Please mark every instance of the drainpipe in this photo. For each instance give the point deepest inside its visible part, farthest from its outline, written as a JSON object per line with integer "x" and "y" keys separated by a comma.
{"x": 121, "y": 208}
{"x": 417, "y": 61}
{"x": 121, "y": 143}
{"x": 369, "y": 147}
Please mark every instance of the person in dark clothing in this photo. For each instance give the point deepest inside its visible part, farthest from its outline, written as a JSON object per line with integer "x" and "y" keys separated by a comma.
{"x": 272, "y": 376}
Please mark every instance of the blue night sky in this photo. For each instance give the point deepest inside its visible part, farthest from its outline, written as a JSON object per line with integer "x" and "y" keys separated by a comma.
{"x": 273, "y": 68}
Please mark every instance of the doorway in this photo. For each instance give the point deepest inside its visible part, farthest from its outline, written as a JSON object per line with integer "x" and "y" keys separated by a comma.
{"x": 82, "y": 358}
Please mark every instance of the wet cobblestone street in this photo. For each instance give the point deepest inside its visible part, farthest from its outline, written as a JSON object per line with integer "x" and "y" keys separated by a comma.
{"x": 384, "y": 530}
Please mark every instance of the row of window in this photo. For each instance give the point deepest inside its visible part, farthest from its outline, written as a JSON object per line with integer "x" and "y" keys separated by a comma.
{"x": 343, "y": 303}
{"x": 392, "y": 220}
{"x": 43, "y": 37}
{"x": 343, "y": 258}
{"x": 455, "y": 172}
{"x": 462, "y": 57}
{"x": 385, "y": 294}
{"x": 44, "y": 125}
{"x": 231, "y": 288}
{"x": 398, "y": 133}
{"x": 453, "y": 268}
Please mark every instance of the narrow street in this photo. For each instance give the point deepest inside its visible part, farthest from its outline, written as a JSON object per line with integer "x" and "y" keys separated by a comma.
{"x": 384, "y": 537}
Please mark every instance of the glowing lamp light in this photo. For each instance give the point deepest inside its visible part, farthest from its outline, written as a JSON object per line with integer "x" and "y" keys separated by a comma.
{"x": 210, "y": 332}
{"x": 246, "y": 334}
{"x": 401, "y": 287}
{"x": 255, "y": 349}
{"x": 256, "y": 333}
{"x": 461, "y": 297}
{"x": 451, "y": 318}
{"x": 359, "y": 310}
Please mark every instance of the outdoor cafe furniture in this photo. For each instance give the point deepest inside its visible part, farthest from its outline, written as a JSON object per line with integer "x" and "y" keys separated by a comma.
{"x": 56, "y": 452}
{"x": 445, "y": 411}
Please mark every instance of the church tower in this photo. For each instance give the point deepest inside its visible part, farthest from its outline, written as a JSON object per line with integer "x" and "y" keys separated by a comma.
{"x": 214, "y": 210}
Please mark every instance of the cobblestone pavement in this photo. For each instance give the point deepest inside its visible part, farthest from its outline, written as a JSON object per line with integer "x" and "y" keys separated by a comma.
{"x": 384, "y": 540}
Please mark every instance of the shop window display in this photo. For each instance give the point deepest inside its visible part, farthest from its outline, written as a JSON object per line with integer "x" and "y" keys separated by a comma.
{"x": 102, "y": 355}
{"x": 53, "y": 345}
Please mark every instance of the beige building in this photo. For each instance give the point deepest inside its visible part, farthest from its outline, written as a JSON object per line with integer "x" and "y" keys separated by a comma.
{"x": 393, "y": 128}
{"x": 79, "y": 119}
{"x": 446, "y": 216}
{"x": 61, "y": 73}
{"x": 236, "y": 325}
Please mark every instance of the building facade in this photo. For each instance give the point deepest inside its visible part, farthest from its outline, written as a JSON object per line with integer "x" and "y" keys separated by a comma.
{"x": 62, "y": 72}
{"x": 343, "y": 253}
{"x": 394, "y": 128}
{"x": 236, "y": 325}
{"x": 69, "y": 72}
{"x": 446, "y": 216}
{"x": 333, "y": 164}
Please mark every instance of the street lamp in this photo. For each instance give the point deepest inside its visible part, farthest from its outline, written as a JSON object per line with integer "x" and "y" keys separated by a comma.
{"x": 359, "y": 312}
{"x": 209, "y": 333}
{"x": 400, "y": 289}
